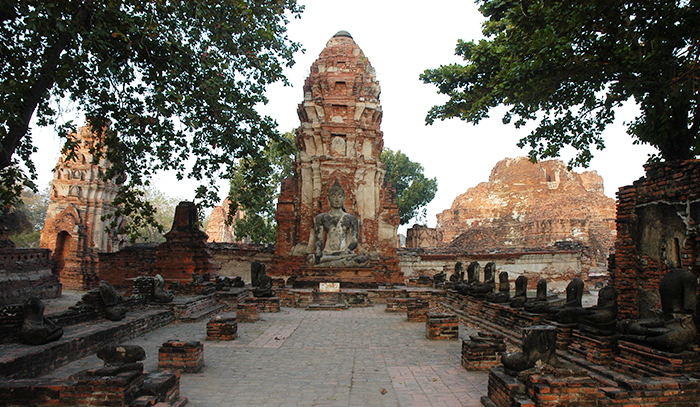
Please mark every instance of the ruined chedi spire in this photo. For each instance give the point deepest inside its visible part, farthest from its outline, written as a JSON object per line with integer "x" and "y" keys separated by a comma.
{"x": 339, "y": 138}
{"x": 79, "y": 200}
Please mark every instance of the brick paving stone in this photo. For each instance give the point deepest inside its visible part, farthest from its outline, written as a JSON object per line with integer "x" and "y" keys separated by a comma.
{"x": 297, "y": 358}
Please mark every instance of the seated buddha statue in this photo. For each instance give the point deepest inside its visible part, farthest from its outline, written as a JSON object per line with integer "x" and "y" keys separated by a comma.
{"x": 336, "y": 234}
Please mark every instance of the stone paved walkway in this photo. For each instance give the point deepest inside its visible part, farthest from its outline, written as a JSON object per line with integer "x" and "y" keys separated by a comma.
{"x": 356, "y": 357}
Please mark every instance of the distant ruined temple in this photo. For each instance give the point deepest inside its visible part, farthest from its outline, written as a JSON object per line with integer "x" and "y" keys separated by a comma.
{"x": 217, "y": 229}
{"x": 339, "y": 139}
{"x": 74, "y": 229}
{"x": 527, "y": 205}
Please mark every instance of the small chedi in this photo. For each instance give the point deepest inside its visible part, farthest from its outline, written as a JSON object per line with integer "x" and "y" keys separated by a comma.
{"x": 185, "y": 249}
{"x": 337, "y": 219}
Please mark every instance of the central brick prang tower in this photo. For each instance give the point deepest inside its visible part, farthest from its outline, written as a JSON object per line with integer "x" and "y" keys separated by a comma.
{"x": 339, "y": 138}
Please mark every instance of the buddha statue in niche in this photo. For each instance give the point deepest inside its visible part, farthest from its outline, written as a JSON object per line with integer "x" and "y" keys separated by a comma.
{"x": 336, "y": 234}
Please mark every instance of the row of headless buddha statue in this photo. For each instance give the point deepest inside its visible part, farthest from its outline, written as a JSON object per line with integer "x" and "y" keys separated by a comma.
{"x": 672, "y": 329}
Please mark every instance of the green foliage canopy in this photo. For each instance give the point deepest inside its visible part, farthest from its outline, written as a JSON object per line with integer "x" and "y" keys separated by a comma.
{"x": 570, "y": 64}
{"x": 255, "y": 186}
{"x": 176, "y": 81}
{"x": 25, "y": 218}
{"x": 413, "y": 189}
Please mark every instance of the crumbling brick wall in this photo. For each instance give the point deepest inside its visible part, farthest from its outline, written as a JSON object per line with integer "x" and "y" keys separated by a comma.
{"x": 656, "y": 230}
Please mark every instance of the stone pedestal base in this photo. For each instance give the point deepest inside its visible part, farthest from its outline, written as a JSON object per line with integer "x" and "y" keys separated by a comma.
{"x": 441, "y": 326}
{"x": 186, "y": 357}
{"x": 417, "y": 310}
{"x": 247, "y": 312}
{"x": 600, "y": 350}
{"x": 266, "y": 304}
{"x": 348, "y": 277}
{"x": 483, "y": 351}
{"x": 638, "y": 360}
{"x": 222, "y": 329}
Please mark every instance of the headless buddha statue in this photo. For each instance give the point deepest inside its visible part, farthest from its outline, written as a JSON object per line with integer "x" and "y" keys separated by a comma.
{"x": 503, "y": 293}
{"x": 336, "y": 234}
{"x": 520, "y": 296}
{"x": 674, "y": 330}
{"x": 539, "y": 304}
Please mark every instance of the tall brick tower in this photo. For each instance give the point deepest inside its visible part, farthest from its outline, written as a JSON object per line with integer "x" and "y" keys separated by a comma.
{"x": 339, "y": 138}
{"x": 74, "y": 229}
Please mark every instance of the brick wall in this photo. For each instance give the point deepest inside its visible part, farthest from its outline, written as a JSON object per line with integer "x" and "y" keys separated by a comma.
{"x": 656, "y": 224}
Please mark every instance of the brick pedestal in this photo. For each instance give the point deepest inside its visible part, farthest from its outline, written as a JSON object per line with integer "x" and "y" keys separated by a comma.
{"x": 557, "y": 389}
{"x": 186, "y": 357}
{"x": 222, "y": 329}
{"x": 564, "y": 334}
{"x": 638, "y": 360}
{"x": 266, "y": 304}
{"x": 247, "y": 312}
{"x": 482, "y": 351}
{"x": 440, "y": 325}
{"x": 416, "y": 311}
{"x": 505, "y": 391}
{"x": 600, "y": 350}
{"x": 103, "y": 390}
{"x": 398, "y": 304}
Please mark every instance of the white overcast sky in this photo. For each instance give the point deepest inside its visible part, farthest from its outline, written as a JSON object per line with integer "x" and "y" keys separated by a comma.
{"x": 401, "y": 40}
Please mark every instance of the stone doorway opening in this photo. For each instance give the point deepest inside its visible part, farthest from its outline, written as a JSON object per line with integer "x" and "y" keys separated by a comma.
{"x": 63, "y": 245}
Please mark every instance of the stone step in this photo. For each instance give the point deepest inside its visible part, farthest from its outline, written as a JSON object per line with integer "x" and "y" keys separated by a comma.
{"x": 326, "y": 307}
{"x": 23, "y": 361}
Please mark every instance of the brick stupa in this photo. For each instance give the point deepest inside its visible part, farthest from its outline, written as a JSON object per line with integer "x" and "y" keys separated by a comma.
{"x": 185, "y": 249}
{"x": 339, "y": 138}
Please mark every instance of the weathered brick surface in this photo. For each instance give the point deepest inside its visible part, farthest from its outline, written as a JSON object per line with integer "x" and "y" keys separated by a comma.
{"x": 600, "y": 350}
{"x": 553, "y": 204}
{"x": 417, "y": 310}
{"x": 122, "y": 267}
{"x": 651, "y": 215}
{"x": 398, "y": 304}
{"x": 27, "y": 272}
{"x": 639, "y": 360}
{"x": 247, "y": 312}
{"x": 222, "y": 329}
{"x": 440, "y": 325}
{"x": 88, "y": 389}
{"x": 265, "y": 304}
{"x": 185, "y": 357}
{"x": 483, "y": 351}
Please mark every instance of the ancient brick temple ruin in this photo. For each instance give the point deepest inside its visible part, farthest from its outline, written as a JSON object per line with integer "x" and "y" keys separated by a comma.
{"x": 532, "y": 219}
{"x": 657, "y": 230}
{"x": 532, "y": 205}
{"x": 74, "y": 229}
{"x": 339, "y": 139}
{"x": 217, "y": 228}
